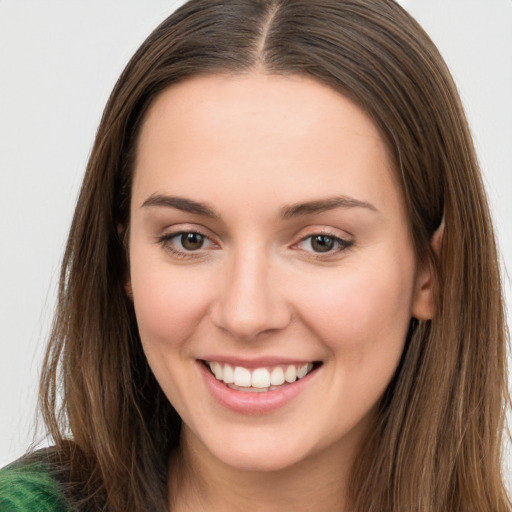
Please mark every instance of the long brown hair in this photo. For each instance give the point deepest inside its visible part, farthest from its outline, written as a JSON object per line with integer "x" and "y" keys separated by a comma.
{"x": 436, "y": 444}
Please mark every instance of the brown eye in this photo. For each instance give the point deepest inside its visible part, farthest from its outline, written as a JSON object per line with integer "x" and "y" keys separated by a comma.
{"x": 322, "y": 243}
{"x": 192, "y": 241}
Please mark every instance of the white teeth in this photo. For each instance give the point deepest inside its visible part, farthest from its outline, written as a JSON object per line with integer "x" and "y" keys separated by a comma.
{"x": 217, "y": 370}
{"x": 259, "y": 379}
{"x": 277, "y": 376}
{"x": 290, "y": 374}
{"x": 229, "y": 377}
{"x": 242, "y": 377}
{"x": 302, "y": 371}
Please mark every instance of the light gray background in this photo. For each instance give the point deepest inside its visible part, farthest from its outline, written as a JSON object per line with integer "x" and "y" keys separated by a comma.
{"x": 58, "y": 62}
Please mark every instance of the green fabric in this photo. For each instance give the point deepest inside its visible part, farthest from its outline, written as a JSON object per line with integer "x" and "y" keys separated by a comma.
{"x": 30, "y": 488}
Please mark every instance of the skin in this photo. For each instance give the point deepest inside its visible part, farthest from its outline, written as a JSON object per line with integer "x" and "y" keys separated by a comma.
{"x": 249, "y": 146}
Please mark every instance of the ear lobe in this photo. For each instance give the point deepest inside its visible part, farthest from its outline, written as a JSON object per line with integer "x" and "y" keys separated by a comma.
{"x": 424, "y": 305}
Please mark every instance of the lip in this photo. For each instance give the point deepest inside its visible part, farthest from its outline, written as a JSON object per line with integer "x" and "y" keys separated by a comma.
{"x": 254, "y": 403}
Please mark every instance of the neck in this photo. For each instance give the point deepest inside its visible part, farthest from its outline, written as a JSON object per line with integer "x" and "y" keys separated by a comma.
{"x": 199, "y": 481}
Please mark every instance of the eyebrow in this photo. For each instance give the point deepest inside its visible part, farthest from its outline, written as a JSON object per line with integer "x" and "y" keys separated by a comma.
{"x": 180, "y": 203}
{"x": 323, "y": 205}
{"x": 287, "y": 212}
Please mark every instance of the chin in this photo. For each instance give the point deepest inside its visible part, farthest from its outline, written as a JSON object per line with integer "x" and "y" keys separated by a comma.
{"x": 262, "y": 449}
{"x": 254, "y": 449}
{"x": 257, "y": 461}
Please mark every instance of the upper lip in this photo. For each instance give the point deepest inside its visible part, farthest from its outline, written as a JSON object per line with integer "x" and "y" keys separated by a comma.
{"x": 258, "y": 362}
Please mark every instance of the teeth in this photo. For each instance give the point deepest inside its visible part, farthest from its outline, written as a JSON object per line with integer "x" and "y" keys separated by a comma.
{"x": 290, "y": 375}
{"x": 229, "y": 374}
{"x": 302, "y": 371}
{"x": 259, "y": 379}
{"x": 277, "y": 376}
{"x": 217, "y": 370}
{"x": 242, "y": 377}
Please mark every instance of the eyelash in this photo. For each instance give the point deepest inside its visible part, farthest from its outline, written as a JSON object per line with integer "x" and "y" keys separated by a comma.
{"x": 166, "y": 241}
{"x": 340, "y": 243}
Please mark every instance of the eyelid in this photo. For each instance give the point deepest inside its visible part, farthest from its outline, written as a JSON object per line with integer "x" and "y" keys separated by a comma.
{"x": 171, "y": 236}
{"x": 166, "y": 238}
{"x": 343, "y": 242}
{"x": 178, "y": 229}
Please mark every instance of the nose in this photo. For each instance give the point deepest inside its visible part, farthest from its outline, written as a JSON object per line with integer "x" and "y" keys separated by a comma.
{"x": 250, "y": 300}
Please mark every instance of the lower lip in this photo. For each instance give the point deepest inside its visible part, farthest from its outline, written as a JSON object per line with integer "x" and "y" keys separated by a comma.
{"x": 245, "y": 402}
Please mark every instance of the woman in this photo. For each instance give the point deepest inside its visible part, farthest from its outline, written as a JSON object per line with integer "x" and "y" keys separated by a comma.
{"x": 281, "y": 286}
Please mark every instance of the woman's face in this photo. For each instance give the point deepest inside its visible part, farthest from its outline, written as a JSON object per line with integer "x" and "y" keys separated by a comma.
{"x": 268, "y": 240}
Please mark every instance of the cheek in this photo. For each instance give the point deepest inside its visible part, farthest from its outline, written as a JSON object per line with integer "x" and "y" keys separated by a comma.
{"x": 169, "y": 303}
{"x": 362, "y": 315}
{"x": 362, "y": 320}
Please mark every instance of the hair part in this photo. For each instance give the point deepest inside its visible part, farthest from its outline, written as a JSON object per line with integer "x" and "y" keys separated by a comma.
{"x": 436, "y": 444}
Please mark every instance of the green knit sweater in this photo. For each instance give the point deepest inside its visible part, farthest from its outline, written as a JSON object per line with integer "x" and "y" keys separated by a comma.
{"x": 29, "y": 487}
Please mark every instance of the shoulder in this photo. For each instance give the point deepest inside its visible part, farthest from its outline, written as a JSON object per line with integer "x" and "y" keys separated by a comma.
{"x": 27, "y": 485}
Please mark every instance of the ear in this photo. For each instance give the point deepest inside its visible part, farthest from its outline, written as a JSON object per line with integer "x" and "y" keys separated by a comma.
{"x": 424, "y": 294}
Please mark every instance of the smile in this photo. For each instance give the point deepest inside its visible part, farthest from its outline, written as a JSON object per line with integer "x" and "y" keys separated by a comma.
{"x": 258, "y": 380}
{"x": 258, "y": 387}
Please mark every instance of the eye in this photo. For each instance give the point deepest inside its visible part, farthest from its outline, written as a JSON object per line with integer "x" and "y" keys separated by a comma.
{"x": 184, "y": 243}
{"x": 323, "y": 243}
{"x": 191, "y": 241}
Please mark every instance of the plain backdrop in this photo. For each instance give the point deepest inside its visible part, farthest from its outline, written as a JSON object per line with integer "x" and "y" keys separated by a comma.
{"x": 58, "y": 62}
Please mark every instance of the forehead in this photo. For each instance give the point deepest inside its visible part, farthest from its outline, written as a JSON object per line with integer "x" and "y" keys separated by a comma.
{"x": 293, "y": 101}
{"x": 238, "y": 133}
